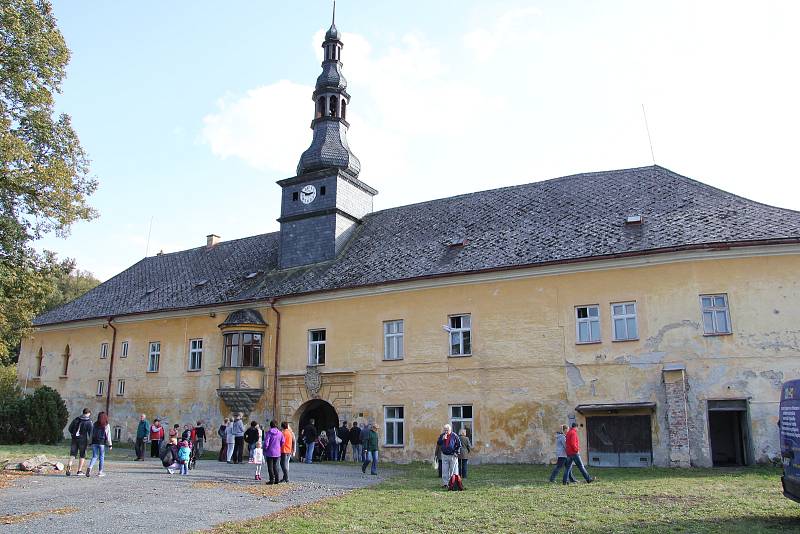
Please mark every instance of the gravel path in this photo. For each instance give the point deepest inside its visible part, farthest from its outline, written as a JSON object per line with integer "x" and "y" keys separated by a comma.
{"x": 142, "y": 497}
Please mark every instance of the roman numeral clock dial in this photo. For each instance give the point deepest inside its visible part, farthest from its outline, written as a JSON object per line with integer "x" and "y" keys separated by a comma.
{"x": 308, "y": 194}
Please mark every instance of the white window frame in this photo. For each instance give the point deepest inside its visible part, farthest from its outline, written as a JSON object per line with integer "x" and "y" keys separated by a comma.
{"x": 196, "y": 354}
{"x": 457, "y": 422}
{"x": 625, "y": 317}
{"x": 314, "y": 347}
{"x": 103, "y": 351}
{"x": 393, "y": 339}
{"x": 101, "y": 388}
{"x": 124, "y": 350}
{"x": 713, "y": 312}
{"x": 458, "y": 334}
{"x": 396, "y": 423}
{"x": 153, "y": 356}
{"x": 588, "y": 320}
{"x": 120, "y": 387}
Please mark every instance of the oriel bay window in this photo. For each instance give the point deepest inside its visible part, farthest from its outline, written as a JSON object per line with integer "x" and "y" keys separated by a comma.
{"x": 242, "y": 349}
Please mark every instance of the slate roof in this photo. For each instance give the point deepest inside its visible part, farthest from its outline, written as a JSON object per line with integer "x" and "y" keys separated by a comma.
{"x": 328, "y": 149}
{"x": 574, "y": 218}
{"x": 243, "y": 316}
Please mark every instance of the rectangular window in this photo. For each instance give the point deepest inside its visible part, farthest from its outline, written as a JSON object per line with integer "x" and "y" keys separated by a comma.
{"x": 154, "y": 356}
{"x": 393, "y": 340}
{"x": 101, "y": 386}
{"x": 623, "y": 317}
{"x": 241, "y": 349}
{"x": 316, "y": 347}
{"x": 393, "y": 418}
{"x": 195, "y": 354}
{"x": 461, "y": 417}
{"x": 120, "y": 387}
{"x": 587, "y": 324}
{"x": 716, "y": 317}
{"x": 117, "y": 433}
{"x": 103, "y": 350}
{"x": 124, "y": 352}
{"x": 460, "y": 335}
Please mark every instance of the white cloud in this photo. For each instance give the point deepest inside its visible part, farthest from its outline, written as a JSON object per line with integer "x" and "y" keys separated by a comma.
{"x": 512, "y": 28}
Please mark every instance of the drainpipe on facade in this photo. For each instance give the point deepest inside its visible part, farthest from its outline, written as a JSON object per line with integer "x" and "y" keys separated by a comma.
{"x": 110, "y": 366}
{"x": 277, "y": 359}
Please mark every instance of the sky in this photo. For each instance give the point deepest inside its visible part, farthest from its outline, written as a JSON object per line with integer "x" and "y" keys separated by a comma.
{"x": 191, "y": 111}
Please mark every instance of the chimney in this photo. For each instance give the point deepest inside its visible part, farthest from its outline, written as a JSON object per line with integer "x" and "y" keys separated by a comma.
{"x": 211, "y": 240}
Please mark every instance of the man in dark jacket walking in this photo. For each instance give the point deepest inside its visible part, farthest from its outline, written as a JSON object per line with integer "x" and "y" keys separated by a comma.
{"x": 344, "y": 435}
{"x": 450, "y": 446}
{"x": 80, "y": 430}
{"x": 309, "y": 437}
{"x": 574, "y": 455}
{"x": 142, "y": 432}
{"x": 355, "y": 440}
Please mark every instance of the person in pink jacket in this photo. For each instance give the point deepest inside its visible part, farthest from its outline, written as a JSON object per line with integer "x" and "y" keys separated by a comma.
{"x": 273, "y": 442}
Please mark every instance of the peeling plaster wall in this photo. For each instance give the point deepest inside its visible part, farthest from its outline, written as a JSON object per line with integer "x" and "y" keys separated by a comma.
{"x": 525, "y": 376}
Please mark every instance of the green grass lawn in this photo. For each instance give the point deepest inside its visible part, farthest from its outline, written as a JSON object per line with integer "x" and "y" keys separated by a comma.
{"x": 518, "y": 498}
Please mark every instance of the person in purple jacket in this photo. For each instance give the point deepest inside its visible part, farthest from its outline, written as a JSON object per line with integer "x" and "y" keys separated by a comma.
{"x": 273, "y": 442}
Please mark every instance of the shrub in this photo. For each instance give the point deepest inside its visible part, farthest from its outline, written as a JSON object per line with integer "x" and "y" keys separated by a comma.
{"x": 46, "y": 416}
{"x": 13, "y": 407}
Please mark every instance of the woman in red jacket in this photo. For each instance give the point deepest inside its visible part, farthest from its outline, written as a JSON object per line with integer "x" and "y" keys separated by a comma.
{"x": 156, "y": 436}
{"x": 574, "y": 455}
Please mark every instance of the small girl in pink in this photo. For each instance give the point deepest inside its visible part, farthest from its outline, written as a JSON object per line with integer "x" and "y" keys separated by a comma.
{"x": 258, "y": 459}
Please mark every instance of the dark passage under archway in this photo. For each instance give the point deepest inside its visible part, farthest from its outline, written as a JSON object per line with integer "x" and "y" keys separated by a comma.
{"x": 323, "y": 414}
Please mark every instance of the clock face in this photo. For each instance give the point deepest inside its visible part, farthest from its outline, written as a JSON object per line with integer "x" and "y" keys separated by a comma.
{"x": 308, "y": 194}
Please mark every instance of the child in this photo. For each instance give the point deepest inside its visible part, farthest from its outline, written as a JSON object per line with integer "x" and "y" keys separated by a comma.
{"x": 258, "y": 458}
{"x": 183, "y": 456}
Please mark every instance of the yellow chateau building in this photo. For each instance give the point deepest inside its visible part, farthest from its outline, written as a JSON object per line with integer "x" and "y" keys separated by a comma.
{"x": 659, "y": 313}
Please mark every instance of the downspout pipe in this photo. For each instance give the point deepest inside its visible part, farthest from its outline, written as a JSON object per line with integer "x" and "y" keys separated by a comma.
{"x": 277, "y": 357}
{"x": 110, "y": 366}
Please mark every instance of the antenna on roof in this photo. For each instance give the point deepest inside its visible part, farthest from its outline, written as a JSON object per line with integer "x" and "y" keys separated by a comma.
{"x": 649, "y": 139}
{"x": 147, "y": 248}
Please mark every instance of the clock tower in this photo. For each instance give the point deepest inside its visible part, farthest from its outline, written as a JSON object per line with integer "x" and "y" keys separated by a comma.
{"x": 325, "y": 202}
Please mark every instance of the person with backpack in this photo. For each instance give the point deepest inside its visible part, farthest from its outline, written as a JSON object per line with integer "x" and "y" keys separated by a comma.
{"x": 371, "y": 451}
{"x": 156, "y": 437}
{"x": 355, "y": 440}
{"x": 169, "y": 456}
{"x": 101, "y": 436}
{"x": 573, "y": 449}
{"x": 141, "y": 435}
{"x": 80, "y": 430}
{"x": 222, "y": 432}
{"x": 450, "y": 446}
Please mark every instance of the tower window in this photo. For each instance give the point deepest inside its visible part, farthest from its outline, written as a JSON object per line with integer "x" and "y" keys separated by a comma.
{"x": 295, "y": 196}
{"x": 322, "y": 190}
{"x": 320, "y": 107}
{"x": 344, "y": 109}
{"x": 332, "y": 107}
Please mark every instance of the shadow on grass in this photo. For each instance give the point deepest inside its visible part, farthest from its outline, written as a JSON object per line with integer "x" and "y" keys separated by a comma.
{"x": 738, "y": 525}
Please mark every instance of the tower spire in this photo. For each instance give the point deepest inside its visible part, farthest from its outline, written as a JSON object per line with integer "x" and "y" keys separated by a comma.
{"x": 329, "y": 146}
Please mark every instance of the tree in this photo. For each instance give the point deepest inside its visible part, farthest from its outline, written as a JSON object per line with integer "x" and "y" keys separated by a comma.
{"x": 46, "y": 417}
{"x": 69, "y": 283}
{"x": 44, "y": 171}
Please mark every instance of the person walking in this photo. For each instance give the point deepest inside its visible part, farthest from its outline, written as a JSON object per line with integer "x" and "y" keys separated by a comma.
{"x": 273, "y": 443}
{"x": 286, "y": 450}
{"x": 573, "y": 449}
{"x": 80, "y": 430}
{"x": 141, "y": 435}
{"x": 238, "y": 438}
{"x": 309, "y": 435}
{"x": 222, "y": 433}
{"x": 561, "y": 454}
{"x": 371, "y": 451}
{"x": 355, "y": 441}
{"x": 199, "y": 439}
{"x": 156, "y": 437}
{"x": 451, "y": 446}
{"x": 463, "y": 453}
{"x": 365, "y": 427}
{"x": 101, "y": 436}
{"x": 230, "y": 441}
{"x": 344, "y": 436}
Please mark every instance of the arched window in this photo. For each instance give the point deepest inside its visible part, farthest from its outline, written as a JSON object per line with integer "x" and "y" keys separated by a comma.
{"x": 320, "y": 107}
{"x": 65, "y": 358}
{"x": 344, "y": 109}
{"x": 39, "y": 358}
{"x": 332, "y": 107}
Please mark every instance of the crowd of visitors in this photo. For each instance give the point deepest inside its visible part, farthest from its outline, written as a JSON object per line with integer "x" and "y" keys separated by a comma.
{"x": 277, "y": 446}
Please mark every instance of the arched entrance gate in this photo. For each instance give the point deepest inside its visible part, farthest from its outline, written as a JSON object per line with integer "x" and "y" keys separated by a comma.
{"x": 322, "y": 412}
